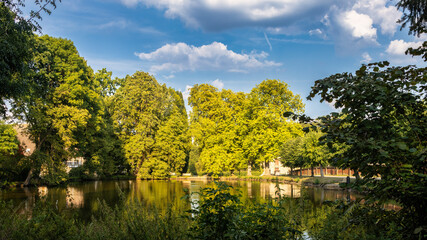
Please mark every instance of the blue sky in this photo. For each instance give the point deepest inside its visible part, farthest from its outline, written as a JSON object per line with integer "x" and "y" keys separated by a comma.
{"x": 234, "y": 44}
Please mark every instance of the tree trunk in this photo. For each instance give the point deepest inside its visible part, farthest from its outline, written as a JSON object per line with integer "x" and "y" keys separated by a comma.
{"x": 356, "y": 174}
{"x": 27, "y": 180}
{"x": 267, "y": 169}
{"x": 292, "y": 171}
{"x": 300, "y": 171}
{"x": 30, "y": 173}
{"x": 321, "y": 171}
{"x": 312, "y": 171}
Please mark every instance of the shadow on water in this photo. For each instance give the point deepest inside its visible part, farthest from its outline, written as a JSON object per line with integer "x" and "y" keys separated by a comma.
{"x": 84, "y": 198}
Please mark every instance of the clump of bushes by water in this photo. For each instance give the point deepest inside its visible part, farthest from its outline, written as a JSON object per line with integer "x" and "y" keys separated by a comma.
{"x": 353, "y": 220}
{"x": 221, "y": 215}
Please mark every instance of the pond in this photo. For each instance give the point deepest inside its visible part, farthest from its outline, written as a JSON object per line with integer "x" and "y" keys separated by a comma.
{"x": 84, "y": 198}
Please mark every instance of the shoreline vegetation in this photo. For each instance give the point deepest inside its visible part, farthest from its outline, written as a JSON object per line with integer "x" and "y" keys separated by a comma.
{"x": 329, "y": 183}
{"x": 220, "y": 213}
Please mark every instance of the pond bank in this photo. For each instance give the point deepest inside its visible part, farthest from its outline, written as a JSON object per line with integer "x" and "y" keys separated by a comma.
{"x": 332, "y": 183}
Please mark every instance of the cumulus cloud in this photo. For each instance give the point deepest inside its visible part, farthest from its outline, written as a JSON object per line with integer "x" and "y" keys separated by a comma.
{"x": 398, "y": 47}
{"x": 218, "y": 84}
{"x": 215, "y": 56}
{"x": 385, "y": 16}
{"x": 359, "y": 25}
{"x": 395, "y": 52}
{"x": 366, "y": 58}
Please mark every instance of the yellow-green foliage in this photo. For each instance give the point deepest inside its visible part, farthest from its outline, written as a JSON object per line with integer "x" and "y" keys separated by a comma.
{"x": 152, "y": 122}
{"x": 234, "y": 130}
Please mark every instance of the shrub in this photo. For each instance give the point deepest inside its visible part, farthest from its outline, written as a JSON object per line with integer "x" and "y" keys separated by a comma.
{"x": 221, "y": 215}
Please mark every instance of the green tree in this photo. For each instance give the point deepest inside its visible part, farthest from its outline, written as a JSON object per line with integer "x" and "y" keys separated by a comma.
{"x": 218, "y": 126}
{"x": 267, "y": 129}
{"x": 172, "y": 139}
{"x": 313, "y": 153}
{"x": 236, "y": 130}
{"x": 62, "y": 106}
{"x": 382, "y": 123}
{"x": 16, "y": 41}
{"x": 290, "y": 154}
{"x": 9, "y": 144}
{"x": 10, "y": 154}
{"x": 207, "y": 126}
{"x": 153, "y": 126}
{"x": 106, "y": 148}
{"x": 137, "y": 112}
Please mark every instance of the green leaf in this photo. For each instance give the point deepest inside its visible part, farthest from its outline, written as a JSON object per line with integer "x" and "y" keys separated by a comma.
{"x": 402, "y": 145}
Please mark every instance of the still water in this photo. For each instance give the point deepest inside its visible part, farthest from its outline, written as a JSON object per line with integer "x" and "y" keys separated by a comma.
{"x": 84, "y": 198}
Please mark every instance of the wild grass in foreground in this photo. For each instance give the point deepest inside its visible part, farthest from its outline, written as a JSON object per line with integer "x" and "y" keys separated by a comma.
{"x": 219, "y": 213}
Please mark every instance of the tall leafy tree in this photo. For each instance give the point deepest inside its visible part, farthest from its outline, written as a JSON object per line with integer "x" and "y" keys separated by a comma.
{"x": 268, "y": 129}
{"x": 217, "y": 126}
{"x": 172, "y": 139}
{"x": 106, "y": 148}
{"x": 153, "y": 126}
{"x": 290, "y": 154}
{"x": 207, "y": 120}
{"x": 237, "y": 130}
{"x": 62, "y": 106}
{"x": 16, "y": 41}
{"x": 15, "y": 44}
{"x": 137, "y": 112}
{"x": 314, "y": 153}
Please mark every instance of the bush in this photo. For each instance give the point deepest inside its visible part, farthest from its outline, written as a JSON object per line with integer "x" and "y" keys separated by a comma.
{"x": 359, "y": 221}
{"x": 221, "y": 215}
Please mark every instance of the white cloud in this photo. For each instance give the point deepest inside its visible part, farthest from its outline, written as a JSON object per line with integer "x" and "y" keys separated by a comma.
{"x": 238, "y": 13}
{"x": 366, "y": 58}
{"x": 218, "y": 84}
{"x": 398, "y": 47}
{"x": 274, "y": 14}
{"x": 385, "y": 16}
{"x": 215, "y": 56}
{"x": 186, "y": 93}
{"x": 351, "y": 22}
{"x": 359, "y": 25}
{"x": 395, "y": 52}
